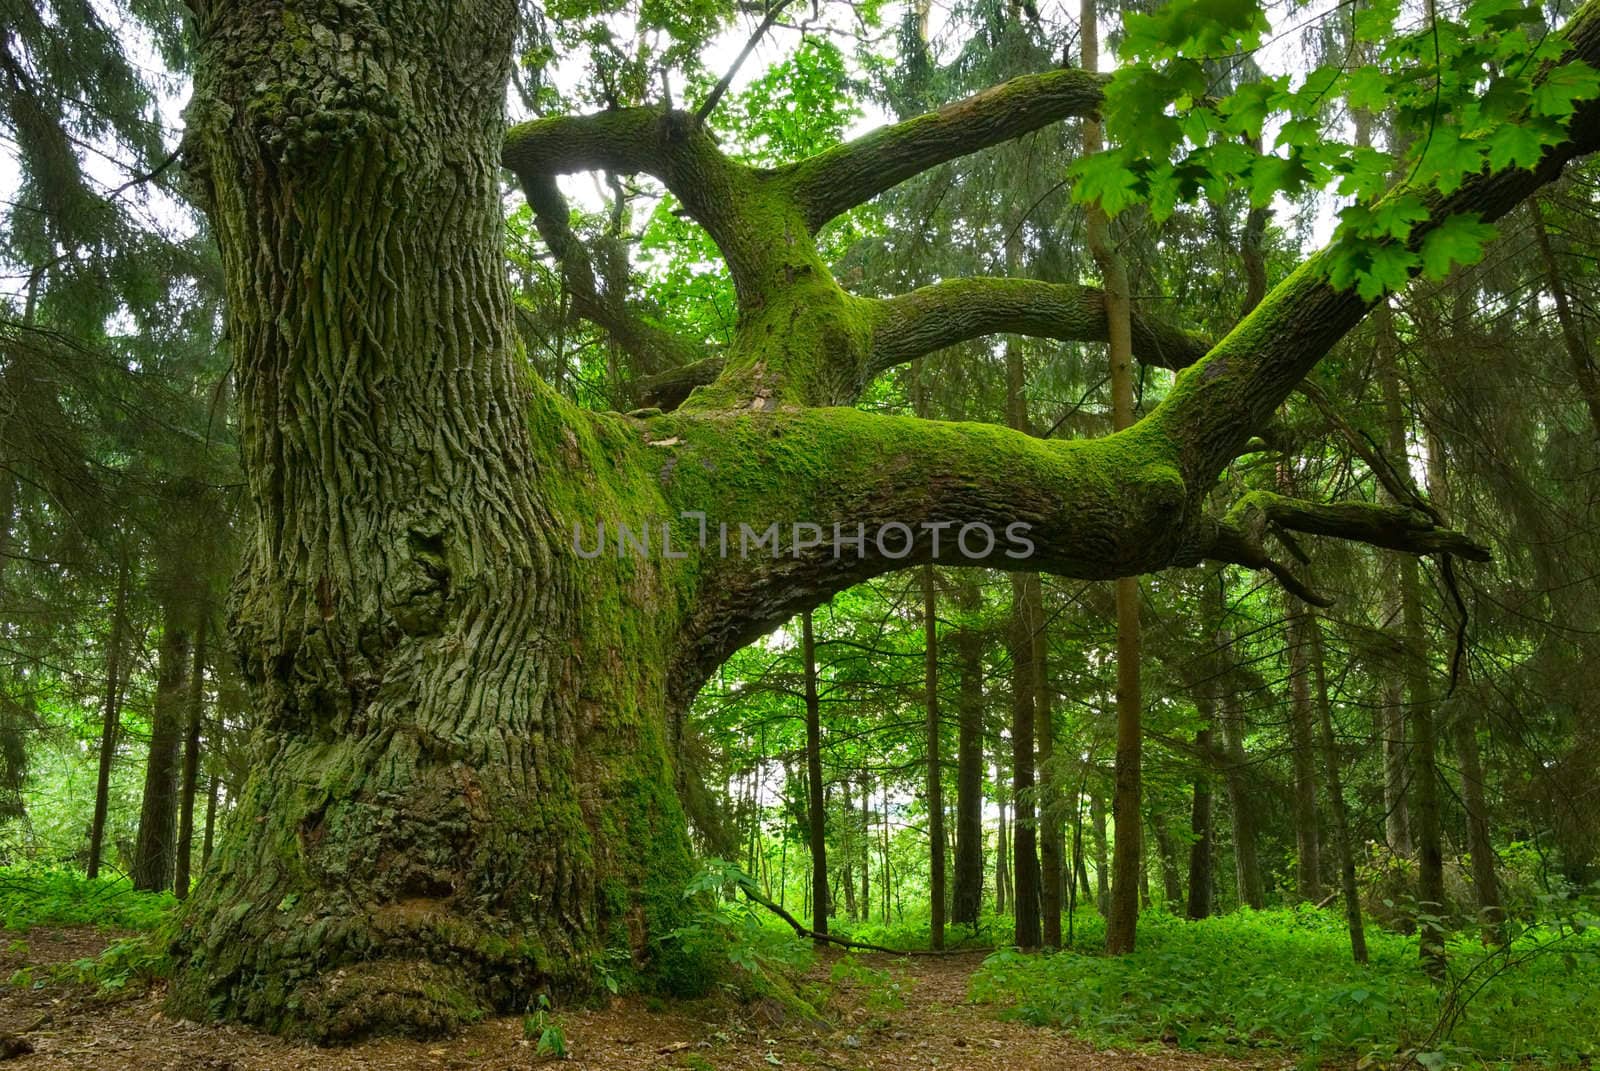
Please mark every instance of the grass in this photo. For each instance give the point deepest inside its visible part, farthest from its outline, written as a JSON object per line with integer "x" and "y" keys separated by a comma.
{"x": 37, "y": 896}
{"x": 1284, "y": 980}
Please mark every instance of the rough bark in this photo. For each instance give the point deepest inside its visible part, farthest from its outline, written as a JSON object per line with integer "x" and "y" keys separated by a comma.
{"x": 816, "y": 803}
{"x": 464, "y": 791}
{"x": 155, "y": 850}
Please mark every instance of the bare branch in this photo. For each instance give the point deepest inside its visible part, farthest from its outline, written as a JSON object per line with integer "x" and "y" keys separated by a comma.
{"x": 837, "y": 180}
{"x": 715, "y": 96}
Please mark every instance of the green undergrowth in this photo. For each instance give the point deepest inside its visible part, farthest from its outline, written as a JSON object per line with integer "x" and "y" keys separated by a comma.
{"x": 1284, "y": 980}
{"x": 54, "y": 897}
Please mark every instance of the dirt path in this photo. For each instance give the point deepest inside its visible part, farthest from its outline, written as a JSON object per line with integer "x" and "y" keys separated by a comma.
{"x": 884, "y": 1014}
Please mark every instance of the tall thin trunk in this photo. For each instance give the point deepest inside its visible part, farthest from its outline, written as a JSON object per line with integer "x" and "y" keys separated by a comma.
{"x": 1391, "y": 728}
{"x": 866, "y": 847}
{"x": 1024, "y": 844}
{"x": 814, "y": 795}
{"x": 1201, "y": 848}
{"x": 930, "y": 696}
{"x": 1102, "y": 867}
{"x": 189, "y": 779}
{"x": 1308, "y": 848}
{"x": 1241, "y": 805}
{"x": 1050, "y": 840}
{"x": 1333, "y": 771}
{"x": 154, "y": 852}
{"x": 1167, "y": 852}
{"x": 847, "y": 849}
{"x": 111, "y": 711}
{"x": 1464, "y": 727}
{"x": 212, "y": 791}
{"x": 1122, "y": 924}
{"x": 1002, "y": 855}
{"x": 967, "y": 903}
{"x": 1419, "y": 690}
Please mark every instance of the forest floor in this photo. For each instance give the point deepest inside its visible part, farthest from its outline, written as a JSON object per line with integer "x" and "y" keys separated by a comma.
{"x": 897, "y": 1013}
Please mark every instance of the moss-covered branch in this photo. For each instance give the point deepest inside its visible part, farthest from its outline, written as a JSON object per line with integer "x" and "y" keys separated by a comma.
{"x": 956, "y": 310}
{"x": 835, "y": 181}
{"x": 1241, "y": 536}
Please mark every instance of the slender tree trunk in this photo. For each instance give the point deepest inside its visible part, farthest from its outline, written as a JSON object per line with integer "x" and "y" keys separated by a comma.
{"x": 1391, "y": 719}
{"x": 1050, "y": 840}
{"x": 1485, "y": 884}
{"x": 111, "y": 710}
{"x": 211, "y": 821}
{"x": 1241, "y": 805}
{"x": 930, "y": 695}
{"x": 967, "y": 903}
{"x": 866, "y": 848}
{"x": 1201, "y": 848}
{"x": 1102, "y": 866}
{"x": 1122, "y": 924}
{"x": 1002, "y": 857}
{"x": 1344, "y": 843}
{"x": 154, "y": 853}
{"x": 1308, "y": 848}
{"x": 1024, "y": 844}
{"x": 847, "y": 849}
{"x": 189, "y": 779}
{"x": 814, "y": 796}
{"x": 1419, "y": 692}
{"x": 1167, "y": 852}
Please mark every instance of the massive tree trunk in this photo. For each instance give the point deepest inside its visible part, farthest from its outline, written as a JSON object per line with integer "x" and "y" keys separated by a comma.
{"x": 464, "y": 788}
{"x": 816, "y": 802}
{"x": 967, "y": 903}
{"x": 155, "y": 850}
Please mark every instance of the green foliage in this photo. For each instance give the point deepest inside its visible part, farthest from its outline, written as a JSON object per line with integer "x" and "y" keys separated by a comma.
{"x": 540, "y": 1026}
{"x": 1285, "y": 980}
{"x": 1471, "y": 90}
{"x": 58, "y": 897}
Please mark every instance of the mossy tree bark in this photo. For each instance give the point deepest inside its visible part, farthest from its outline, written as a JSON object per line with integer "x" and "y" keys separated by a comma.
{"x": 464, "y": 790}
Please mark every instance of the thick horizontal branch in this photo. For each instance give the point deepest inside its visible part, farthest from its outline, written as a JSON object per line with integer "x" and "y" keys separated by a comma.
{"x": 835, "y": 181}
{"x": 626, "y": 140}
{"x": 957, "y": 310}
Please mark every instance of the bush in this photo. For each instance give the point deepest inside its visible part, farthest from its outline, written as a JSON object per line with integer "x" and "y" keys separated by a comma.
{"x": 39, "y": 896}
{"x": 1285, "y": 980}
